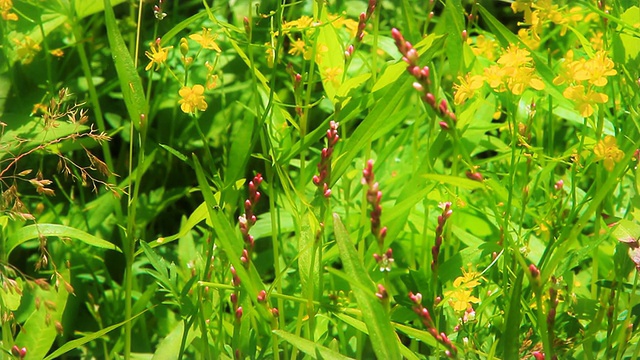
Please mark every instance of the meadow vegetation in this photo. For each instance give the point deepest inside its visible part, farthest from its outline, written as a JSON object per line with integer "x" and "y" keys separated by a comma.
{"x": 319, "y": 179}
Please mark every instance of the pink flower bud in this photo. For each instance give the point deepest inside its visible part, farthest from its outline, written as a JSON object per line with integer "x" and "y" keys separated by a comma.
{"x": 262, "y": 296}
{"x": 239, "y": 313}
{"x": 558, "y": 185}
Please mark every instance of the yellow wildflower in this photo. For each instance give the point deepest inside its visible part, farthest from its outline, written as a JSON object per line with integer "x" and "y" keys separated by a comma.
{"x": 5, "y": 10}
{"x": 212, "y": 79}
{"x": 26, "y": 49}
{"x": 528, "y": 39}
{"x": 469, "y": 279}
{"x": 608, "y": 151}
{"x": 206, "y": 40}
{"x": 339, "y": 21}
{"x": 595, "y": 70}
{"x": 467, "y": 88}
{"x": 301, "y": 23}
{"x": 584, "y": 98}
{"x": 192, "y": 99}
{"x": 460, "y": 299}
{"x": 568, "y": 69}
{"x": 493, "y": 76}
{"x": 57, "y": 52}
{"x": 596, "y": 41}
{"x": 298, "y": 47}
{"x": 514, "y": 57}
{"x": 484, "y": 47}
{"x": 522, "y": 78}
{"x": 523, "y": 5}
{"x": 157, "y": 55}
{"x": 332, "y": 75}
{"x": 271, "y": 54}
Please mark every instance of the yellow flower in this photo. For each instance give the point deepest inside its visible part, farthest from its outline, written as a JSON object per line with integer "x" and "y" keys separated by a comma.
{"x": 608, "y": 151}
{"x": 332, "y": 75}
{"x": 514, "y": 57}
{"x": 595, "y": 70}
{"x": 158, "y": 55}
{"x": 460, "y": 299}
{"x": 528, "y": 39}
{"x": 484, "y": 47}
{"x": 5, "y": 10}
{"x": 206, "y": 40}
{"x": 493, "y": 75}
{"x": 57, "y": 52}
{"x": 26, "y": 49}
{"x": 192, "y": 99}
{"x": 596, "y": 41}
{"x": 522, "y": 78}
{"x": 584, "y": 98}
{"x": 298, "y": 47}
{"x": 467, "y": 88}
{"x": 468, "y": 280}
{"x": 301, "y": 23}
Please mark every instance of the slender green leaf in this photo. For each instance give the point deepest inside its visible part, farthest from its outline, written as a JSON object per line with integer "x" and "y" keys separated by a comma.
{"x": 383, "y": 337}
{"x": 31, "y": 232}
{"x": 74, "y": 344}
{"x": 130, "y": 82}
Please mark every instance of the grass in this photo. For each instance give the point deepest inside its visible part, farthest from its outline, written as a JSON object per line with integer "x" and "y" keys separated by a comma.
{"x": 348, "y": 179}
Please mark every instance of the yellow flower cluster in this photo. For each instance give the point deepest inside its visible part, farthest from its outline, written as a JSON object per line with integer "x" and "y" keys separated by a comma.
{"x": 539, "y": 12}
{"x": 582, "y": 77}
{"x": 26, "y": 49}
{"x": 5, "y": 10}
{"x": 514, "y": 71}
{"x": 461, "y": 298}
{"x": 158, "y": 55}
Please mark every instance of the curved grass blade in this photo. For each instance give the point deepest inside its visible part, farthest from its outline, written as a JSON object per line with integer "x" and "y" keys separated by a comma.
{"x": 74, "y": 344}
{"x": 383, "y": 337}
{"x": 35, "y": 231}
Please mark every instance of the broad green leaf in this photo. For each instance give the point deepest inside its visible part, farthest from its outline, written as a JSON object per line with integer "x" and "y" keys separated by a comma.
{"x": 130, "y": 83}
{"x": 627, "y": 232}
{"x": 312, "y": 349}
{"x": 454, "y": 24}
{"x": 39, "y": 331}
{"x": 330, "y": 57}
{"x": 383, "y": 337}
{"x": 11, "y": 299}
{"x": 31, "y": 232}
{"x": 74, "y": 344}
{"x": 169, "y": 347}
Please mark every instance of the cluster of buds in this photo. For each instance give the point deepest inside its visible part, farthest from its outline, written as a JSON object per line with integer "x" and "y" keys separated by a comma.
{"x": 362, "y": 23}
{"x": 248, "y": 219}
{"x": 262, "y": 299}
{"x": 19, "y": 352}
{"x": 427, "y": 321}
{"x": 324, "y": 167}
{"x": 442, "y": 220}
{"x": 158, "y": 12}
{"x": 374, "y": 198}
{"x": 423, "y": 83}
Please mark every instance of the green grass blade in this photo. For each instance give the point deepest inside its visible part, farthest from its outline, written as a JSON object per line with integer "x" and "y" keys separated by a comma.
{"x": 383, "y": 337}
{"x": 77, "y": 343}
{"x": 34, "y": 231}
{"x": 309, "y": 347}
{"x": 130, "y": 82}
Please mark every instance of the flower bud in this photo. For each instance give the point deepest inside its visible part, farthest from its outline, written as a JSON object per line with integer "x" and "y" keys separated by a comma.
{"x": 184, "y": 47}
